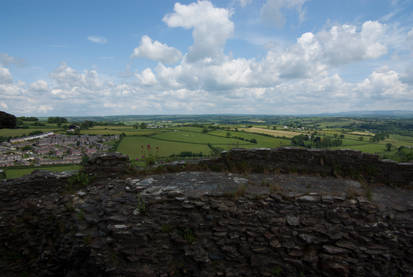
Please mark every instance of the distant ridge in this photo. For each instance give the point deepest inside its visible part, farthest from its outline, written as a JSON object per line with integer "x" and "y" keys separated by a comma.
{"x": 209, "y": 117}
{"x": 391, "y": 113}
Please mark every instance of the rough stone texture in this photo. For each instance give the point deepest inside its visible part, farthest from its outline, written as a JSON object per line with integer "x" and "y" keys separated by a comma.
{"x": 199, "y": 224}
{"x": 339, "y": 163}
{"x": 107, "y": 165}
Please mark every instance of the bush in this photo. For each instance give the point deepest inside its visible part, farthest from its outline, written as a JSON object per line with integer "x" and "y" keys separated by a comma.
{"x": 78, "y": 181}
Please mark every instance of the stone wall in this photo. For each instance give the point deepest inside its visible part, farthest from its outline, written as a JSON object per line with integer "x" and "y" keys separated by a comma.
{"x": 131, "y": 227}
{"x": 107, "y": 165}
{"x": 339, "y": 163}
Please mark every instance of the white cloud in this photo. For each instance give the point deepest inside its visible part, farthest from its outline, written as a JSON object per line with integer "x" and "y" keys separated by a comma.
{"x": 211, "y": 28}
{"x": 272, "y": 11}
{"x": 385, "y": 83}
{"x": 311, "y": 57}
{"x": 315, "y": 54}
{"x": 97, "y": 39}
{"x": 147, "y": 78}
{"x": 156, "y": 51}
{"x": 45, "y": 108}
{"x": 343, "y": 43}
{"x": 74, "y": 83}
{"x": 40, "y": 86}
{"x": 5, "y": 76}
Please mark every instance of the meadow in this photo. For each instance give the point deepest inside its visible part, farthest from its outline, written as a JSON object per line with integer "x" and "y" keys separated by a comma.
{"x": 276, "y": 133}
{"x": 21, "y": 171}
{"x": 167, "y": 142}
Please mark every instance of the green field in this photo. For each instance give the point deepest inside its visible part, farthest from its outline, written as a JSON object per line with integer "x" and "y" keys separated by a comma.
{"x": 22, "y": 132}
{"x": 167, "y": 142}
{"x": 98, "y": 130}
{"x": 132, "y": 146}
{"x": 262, "y": 141}
{"x": 12, "y": 173}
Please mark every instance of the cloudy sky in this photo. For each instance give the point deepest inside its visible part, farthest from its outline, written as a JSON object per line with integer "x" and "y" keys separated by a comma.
{"x": 101, "y": 57}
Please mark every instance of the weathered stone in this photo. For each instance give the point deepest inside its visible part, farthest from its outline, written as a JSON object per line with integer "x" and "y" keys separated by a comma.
{"x": 334, "y": 250}
{"x": 293, "y": 220}
{"x": 309, "y": 198}
{"x": 336, "y": 269}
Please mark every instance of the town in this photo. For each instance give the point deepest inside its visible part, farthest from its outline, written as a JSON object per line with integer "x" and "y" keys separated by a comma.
{"x": 53, "y": 149}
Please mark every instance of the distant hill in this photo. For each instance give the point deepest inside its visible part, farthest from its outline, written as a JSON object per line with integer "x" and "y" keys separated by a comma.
{"x": 394, "y": 113}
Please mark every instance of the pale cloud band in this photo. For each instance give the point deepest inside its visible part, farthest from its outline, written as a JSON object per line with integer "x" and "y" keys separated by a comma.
{"x": 97, "y": 39}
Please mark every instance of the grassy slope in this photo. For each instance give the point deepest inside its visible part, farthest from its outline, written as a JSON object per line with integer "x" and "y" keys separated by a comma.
{"x": 132, "y": 146}
{"x": 19, "y": 172}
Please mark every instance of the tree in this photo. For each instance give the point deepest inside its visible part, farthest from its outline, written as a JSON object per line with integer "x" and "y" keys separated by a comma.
{"x": 35, "y": 133}
{"x": 31, "y": 118}
{"x": 56, "y": 119}
{"x": 143, "y": 125}
{"x": 7, "y": 120}
{"x": 87, "y": 124}
{"x": 388, "y": 146}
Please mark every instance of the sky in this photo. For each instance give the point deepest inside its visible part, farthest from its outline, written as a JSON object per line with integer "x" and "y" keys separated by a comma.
{"x": 106, "y": 57}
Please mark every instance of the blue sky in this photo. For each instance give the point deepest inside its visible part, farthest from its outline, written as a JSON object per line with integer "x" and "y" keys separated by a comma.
{"x": 199, "y": 57}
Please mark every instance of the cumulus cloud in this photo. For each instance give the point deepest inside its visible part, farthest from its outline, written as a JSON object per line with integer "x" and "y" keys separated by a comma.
{"x": 5, "y": 76}
{"x": 147, "y": 78}
{"x": 156, "y": 51}
{"x": 314, "y": 54}
{"x": 344, "y": 43}
{"x": 72, "y": 83}
{"x": 211, "y": 28}
{"x": 39, "y": 85}
{"x": 272, "y": 11}
{"x": 385, "y": 82}
{"x": 97, "y": 39}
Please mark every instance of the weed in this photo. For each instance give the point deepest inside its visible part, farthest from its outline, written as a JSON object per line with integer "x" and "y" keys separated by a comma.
{"x": 276, "y": 271}
{"x": 188, "y": 235}
{"x": 78, "y": 181}
{"x": 80, "y": 215}
{"x": 166, "y": 228}
{"x": 367, "y": 191}
{"x": 240, "y": 191}
{"x": 87, "y": 240}
{"x": 265, "y": 183}
{"x": 352, "y": 193}
{"x": 275, "y": 188}
{"x": 141, "y": 207}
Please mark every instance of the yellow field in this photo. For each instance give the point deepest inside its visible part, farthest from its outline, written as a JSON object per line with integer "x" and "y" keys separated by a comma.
{"x": 362, "y": 133}
{"x": 276, "y": 133}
